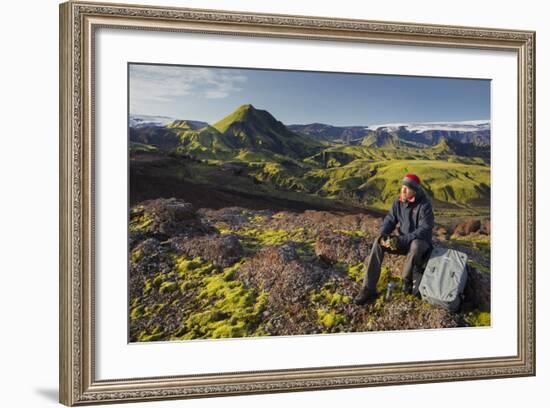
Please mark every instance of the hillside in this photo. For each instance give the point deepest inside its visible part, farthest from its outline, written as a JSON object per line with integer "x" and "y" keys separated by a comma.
{"x": 446, "y": 182}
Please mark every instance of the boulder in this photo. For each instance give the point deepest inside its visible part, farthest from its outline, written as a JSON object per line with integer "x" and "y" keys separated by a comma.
{"x": 338, "y": 247}
{"x": 279, "y": 271}
{"x": 441, "y": 233}
{"x": 486, "y": 227}
{"x": 167, "y": 217}
{"x": 477, "y": 293}
{"x": 221, "y": 250}
{"x": 468, "y": 227}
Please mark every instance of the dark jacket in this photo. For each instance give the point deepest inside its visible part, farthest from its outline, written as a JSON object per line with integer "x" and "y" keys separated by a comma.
{"x": 416, "y": 219}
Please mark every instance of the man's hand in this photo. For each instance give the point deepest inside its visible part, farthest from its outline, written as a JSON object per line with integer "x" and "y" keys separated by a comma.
{"x": 389, "y": 242}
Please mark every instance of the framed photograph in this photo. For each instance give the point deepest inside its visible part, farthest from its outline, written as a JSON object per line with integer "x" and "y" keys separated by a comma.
{"x": 254, "y": 203}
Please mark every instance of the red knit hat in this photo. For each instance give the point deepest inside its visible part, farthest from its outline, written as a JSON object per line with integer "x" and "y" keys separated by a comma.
{"x": 412, "y": 181}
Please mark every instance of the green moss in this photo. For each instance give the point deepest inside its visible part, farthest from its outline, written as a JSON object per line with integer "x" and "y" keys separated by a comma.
{"x": 153, "y": 310}
{"x": 187, "y": 285}
{"x": 353, "y": 233}
{"x": 139, "y": 220}
{"x": 253, "y": 238}
{"x": 269, "y": 236}
{"x": 257, "y": 218}
{"x": 207, "y": 291}
{"x": 356, "y": 272}
{"x": 137, "y": 311}
{"x": 135, "y": 256}
{"x": 478, "y": 318}
{"x": 156, "y": 334}
{"x": 224, "y": 308}
{"x": 135, "y": 302}
{"x": 158, "y": 280}
{"x": 273, "y": 237}
{"x": 168, "y": 287}
{"x": 189, "y": 268}
{"x": 329, "y": 297}
{"x": 330, "y": 306}
{"x": 329, "y": 319}
{"x": 225, "y": 331}
{"x": 223, "y": 228}
{"x": 148, "y": 286}
{"x": 229, "y": 272}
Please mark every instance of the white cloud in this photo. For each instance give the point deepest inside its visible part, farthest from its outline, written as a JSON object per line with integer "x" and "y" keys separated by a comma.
{"x": 150, "y": 84}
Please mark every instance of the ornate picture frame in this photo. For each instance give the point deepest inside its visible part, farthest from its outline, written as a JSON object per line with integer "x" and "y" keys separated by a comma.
{"x": 79, "y": 23}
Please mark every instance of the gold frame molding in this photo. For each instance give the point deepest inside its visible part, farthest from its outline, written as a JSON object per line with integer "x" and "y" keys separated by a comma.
{"x": 78, "y": 22}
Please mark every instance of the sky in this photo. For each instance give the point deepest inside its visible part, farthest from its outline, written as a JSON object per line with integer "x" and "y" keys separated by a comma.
{"x": 300, "y": 97}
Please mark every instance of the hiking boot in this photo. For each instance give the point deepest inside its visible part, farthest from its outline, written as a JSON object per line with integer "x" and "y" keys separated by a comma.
{"x": 365, "y": 296}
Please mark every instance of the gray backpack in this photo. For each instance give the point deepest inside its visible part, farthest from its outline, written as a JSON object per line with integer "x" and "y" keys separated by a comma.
{"x": 444, "y": 278}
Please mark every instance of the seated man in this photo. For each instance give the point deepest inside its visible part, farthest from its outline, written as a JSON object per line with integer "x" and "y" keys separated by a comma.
{"x": 413, "y": 211}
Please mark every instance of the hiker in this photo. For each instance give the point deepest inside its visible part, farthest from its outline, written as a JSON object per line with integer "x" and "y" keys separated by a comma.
{"x": 413, "y": 211}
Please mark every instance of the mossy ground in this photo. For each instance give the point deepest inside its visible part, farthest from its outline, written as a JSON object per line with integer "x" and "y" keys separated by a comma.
{"x": 477, "y": 318}
{"x": 139, "y": 220}
{"x": 329, "y": 304}
{"x": 194, "y": 299}
{"x": 210, "y": 303}
{"x": 258, "y": 233}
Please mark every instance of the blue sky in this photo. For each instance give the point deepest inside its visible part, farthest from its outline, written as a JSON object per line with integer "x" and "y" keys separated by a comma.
{"x": 297, "y": 97}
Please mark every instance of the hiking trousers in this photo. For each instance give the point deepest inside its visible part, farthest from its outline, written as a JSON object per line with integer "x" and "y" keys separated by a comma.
{"x": 416, "y": 253}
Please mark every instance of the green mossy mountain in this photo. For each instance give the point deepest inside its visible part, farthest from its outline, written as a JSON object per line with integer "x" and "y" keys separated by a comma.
{"x": 257, "y": 129}
{"x": 247, "y": 134}
{"x": 262, "y": 151}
